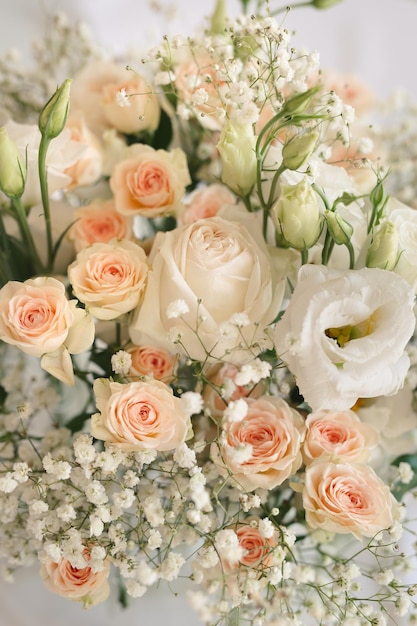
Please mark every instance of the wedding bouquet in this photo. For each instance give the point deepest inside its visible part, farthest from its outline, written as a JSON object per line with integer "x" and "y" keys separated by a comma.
{"x": 207, "y": 320}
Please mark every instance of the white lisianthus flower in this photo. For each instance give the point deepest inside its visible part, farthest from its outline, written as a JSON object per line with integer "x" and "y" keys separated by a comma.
{"x": 344, "y": 334}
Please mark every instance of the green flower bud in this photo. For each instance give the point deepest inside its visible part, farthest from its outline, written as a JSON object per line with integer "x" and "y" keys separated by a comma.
{"x": 383, "y": 251}
{"x": 324, "y": 4}
{"x": 237, "y": 150}
{"x": 297, "y": 216}
{"x": 295, "y": 105}
{"x": 340, "y": 230}
{"x": 54, "y": 114}
{"x": 298, "y": 149}
{"x": 12, "y": 169}
{"x": 219, "y": 18}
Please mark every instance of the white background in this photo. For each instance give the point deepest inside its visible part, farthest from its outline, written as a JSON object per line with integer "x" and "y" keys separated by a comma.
{"x": 376, "y": 39}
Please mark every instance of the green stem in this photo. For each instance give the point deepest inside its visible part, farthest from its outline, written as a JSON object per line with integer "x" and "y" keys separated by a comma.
{"x": 296, "y": 5}
{"x": 351, "y": 255}
{"x": 304, "y": 256}
{"x": 43, "y": 149}
{"x": 327, "y": 248}
{"x": 27, "y": 235}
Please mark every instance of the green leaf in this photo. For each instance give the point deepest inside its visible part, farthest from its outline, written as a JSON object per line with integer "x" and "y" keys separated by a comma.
{"x": 76, "y": 423}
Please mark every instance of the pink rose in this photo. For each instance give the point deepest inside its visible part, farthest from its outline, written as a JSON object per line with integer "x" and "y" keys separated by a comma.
{"x": 88, "y": 168}
{"x": 206, "y": 202}
{"x": 152, "y": 361}
{"x": 257, "y": 549}
{"x": 37, "y": 317}
{"x": 109, "y": 278}
{"x": 150, "y": 182}
{"x": 346, "y": 498}
{"x": 338, "y": 435}
{"x": 263, "y": 448}
{"x": 82, "y": 585}
{"x": 130, "y": 105}
{"x": 222, "y": 388}
{"x": 139, "y": 415}
{"x": 99, "y": 222}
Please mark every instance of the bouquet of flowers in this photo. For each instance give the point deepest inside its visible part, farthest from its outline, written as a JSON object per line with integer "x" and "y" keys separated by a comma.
{"x": 207, "y": 322}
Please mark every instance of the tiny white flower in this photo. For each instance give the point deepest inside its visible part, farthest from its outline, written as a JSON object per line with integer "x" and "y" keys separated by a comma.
{"x": 135, "y": 589}
{"x": 122, "y": 98}
{"x": 177, "y": 308}
{"x": 266, "y": 528}
{"x": 236, "y": 411}
{"x": 154, "y": 539}
{"x": 121, "y": 362}
{"x": 192, "y": 402}
{"x": 184, "y": 456}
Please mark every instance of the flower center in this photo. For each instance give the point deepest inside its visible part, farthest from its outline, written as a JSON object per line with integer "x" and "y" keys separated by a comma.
{"x": 343, "y": 334}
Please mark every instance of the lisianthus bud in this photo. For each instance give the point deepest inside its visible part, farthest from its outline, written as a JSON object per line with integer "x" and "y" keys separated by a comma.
{"x": 298, "y": 149}
{"x": 297, "y": 216}
{"x": 12, "y": 169}
{"x": 383, "y": 250}
{"x": 324, "y": 4}
{"x": 298, "y": 103}
{"x": 340, "y": 230}
{"x": 53, "y": 116}
{"x": 219, "y": 18}
{"x": 237, "y": 150}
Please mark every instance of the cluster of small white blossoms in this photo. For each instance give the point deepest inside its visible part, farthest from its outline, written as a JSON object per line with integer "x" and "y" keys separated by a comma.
{"x": 219, "y": 75}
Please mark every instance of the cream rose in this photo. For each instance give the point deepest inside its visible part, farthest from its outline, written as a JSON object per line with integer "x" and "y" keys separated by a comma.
{"x": 344, "y": 334}
{"x": 139, "y": 416}
{"x": 150, "y": 182}
{"x": 99, "y": 222}
{"x": 347, "y": 498}
{"x": 222, "y": 273}
{"x": 152, "y": 361}
{"x": 109, "y": 278}
{"x": 37, "y": 317}
{"x": 130, "y": 105}
{"x": 79, "y": 584}
{"x": 339, "y": 435}
{"x": 263, "y": 448}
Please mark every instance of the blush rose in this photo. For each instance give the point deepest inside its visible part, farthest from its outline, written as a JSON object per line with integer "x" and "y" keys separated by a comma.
{"x": 109, "y": 278}
{"x": 272, "y": 433}
{"x": 139, "y": 415}
{"x": 150, "y": 182}
{"x": 37, "y": 318}
{"x": 152, "y": 361}
{"x": 257, "y": 549}
{"x": 339, "y": 435}
{"x": 79, "y": 584}
{"x": 347, "y": 498}
{"x": 99, "y": 222}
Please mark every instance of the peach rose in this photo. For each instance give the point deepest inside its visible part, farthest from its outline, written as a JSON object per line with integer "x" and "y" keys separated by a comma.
{"x": 339, "y": 435}
{"x": 131, "y": 106}
{"x": 222, "y": 388}
{"x": 99, "y": 222}
{"x": 206, "y": 202}
{"x": 88, "y": 168}
{"x": 109, "y": 278}
{"x": 346, "y": 498}
{"x": 37, "y": 317}
{"x": 152, "y": 361}
{"x": 150, "y": 182}
{"x": 257, "y": 549}
{"x": 262, "y": 449}
{"x": 139, "y": 415}
{"x": 82, "y": 585}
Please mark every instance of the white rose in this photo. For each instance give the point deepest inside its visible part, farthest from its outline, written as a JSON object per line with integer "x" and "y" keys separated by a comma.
{"x": 344, "y": 333}
{"x": 218, "y": 268}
